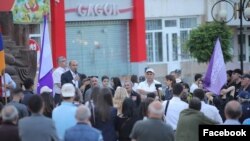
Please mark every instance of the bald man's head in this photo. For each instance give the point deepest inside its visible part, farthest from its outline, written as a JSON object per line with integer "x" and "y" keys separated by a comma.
{"x": 9, "y": 113}
{"x": 82, "y": 114}
{"x": 73, "y": 65}
{"x": 233, "y": 110}
{"x": 155, "y": 110}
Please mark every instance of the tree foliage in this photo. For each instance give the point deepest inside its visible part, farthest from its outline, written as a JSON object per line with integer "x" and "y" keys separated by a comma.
{"x": 202, "y": 41}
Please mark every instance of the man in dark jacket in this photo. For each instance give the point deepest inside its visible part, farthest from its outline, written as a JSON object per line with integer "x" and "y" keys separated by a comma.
{"x": 17, "y": 95}
{"x": 37, "y": 127}
{"x": 28, "y": 93}
{"x": 8, "y": 129}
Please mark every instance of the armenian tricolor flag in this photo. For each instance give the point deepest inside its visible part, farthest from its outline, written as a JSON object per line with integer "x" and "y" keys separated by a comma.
{"x": 2, "y": 59}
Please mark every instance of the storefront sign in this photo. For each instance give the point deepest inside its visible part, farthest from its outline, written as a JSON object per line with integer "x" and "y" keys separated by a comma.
{"x": 86, "y": 10}
{"x": 98, "y": 10}
{"x": 30, "y": 11}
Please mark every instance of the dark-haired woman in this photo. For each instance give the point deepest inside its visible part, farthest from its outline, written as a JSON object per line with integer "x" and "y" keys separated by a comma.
{"x": 48, "y": 104}
{"x": 170, "y": 81}
{"x": 115, "y": 82}
{"x": 105, "y": 114}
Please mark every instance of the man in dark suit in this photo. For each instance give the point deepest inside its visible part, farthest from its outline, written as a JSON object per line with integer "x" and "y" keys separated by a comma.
{"x": 37, "y": 127}
{"x": 71, "y": 76}
{"x": 8, "y": 129}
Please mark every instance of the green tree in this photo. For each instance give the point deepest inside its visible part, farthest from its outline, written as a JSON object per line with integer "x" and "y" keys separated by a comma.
{"x": 202, "y": 40}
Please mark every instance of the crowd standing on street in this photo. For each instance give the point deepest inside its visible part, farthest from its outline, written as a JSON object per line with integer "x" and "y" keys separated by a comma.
{"x": 78, "y": 107}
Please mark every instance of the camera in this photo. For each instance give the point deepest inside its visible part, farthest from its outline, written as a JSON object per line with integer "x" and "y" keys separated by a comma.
{"x": 158, "y": 86}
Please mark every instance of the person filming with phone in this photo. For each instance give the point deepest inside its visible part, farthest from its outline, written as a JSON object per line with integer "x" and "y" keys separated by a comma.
{"x": 149, "y": 85}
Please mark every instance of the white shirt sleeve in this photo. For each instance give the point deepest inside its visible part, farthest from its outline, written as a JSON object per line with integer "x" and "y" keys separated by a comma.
{"x": 218, "y": 117}
{"x": 9, "y": 80}
{"x": 56, "y": 77}
{"x": 140, "y": 86}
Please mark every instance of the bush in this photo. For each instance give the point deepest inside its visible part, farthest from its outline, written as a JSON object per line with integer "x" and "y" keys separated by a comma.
{"x": 202, "y": 40}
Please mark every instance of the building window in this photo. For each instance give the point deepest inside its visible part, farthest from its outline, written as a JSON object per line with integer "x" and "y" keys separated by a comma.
{"x": 185, "y": 54}
{"x": 188, "y": 22}
{"x": 166, "y": 39}
{"x": 153, "y": 24}
{"x": 158, "y": 47}
{"x": 154, "y": 47}
{"x": 149, "y": 43}
{"x": 175, "y": 46}
{"x": 170, "y": 23}
{"x": 167, "y": 47}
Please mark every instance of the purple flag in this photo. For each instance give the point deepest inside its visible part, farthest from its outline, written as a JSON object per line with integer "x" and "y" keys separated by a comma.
{"x": 216, "y": 75}
{"x": 46, "y": 65}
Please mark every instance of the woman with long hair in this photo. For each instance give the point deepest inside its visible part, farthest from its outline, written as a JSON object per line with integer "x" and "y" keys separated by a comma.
{"x": 49, "y": 104}
{"x": 120, "y": 95}
{"x": 115, "y": 82}
{"x": 127, "y": 119}
{"x": 93, "y": 98}
{"x": 143, "y": 111}
{"x": 105, "y": 115}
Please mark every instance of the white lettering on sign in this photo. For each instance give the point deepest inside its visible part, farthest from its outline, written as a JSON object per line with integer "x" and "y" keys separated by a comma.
{"x": 106, "y": 9}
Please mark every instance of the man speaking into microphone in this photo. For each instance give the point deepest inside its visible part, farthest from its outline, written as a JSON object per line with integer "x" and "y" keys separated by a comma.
{"x": 71, "y": 76}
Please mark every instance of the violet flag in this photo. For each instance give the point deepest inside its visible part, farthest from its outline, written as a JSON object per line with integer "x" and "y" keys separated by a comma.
{"x": 46, "y": 65}
{"x": 216, "y": 75}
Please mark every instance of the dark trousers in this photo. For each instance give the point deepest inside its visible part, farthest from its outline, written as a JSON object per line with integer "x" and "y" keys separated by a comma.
{"x": 57, "y": 99}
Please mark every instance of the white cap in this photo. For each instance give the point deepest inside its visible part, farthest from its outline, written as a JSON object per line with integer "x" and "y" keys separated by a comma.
{"x": 45, "y": 89}
{"x": 68, "y": 90}
{"x": 150, "y": 70}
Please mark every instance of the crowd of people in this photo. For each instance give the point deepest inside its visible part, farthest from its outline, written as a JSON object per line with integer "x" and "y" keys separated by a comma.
{"x": 80, "y": 108}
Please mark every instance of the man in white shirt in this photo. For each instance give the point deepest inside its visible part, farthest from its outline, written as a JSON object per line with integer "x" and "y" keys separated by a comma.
{"x": 62, "y": 67}
{"x": 210, "y": 111}
{"x": 173, "y": 107}
{"x": 195, "y": 85}
{"x": 148, "y": 86}
{"x": 7, "y": 86}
